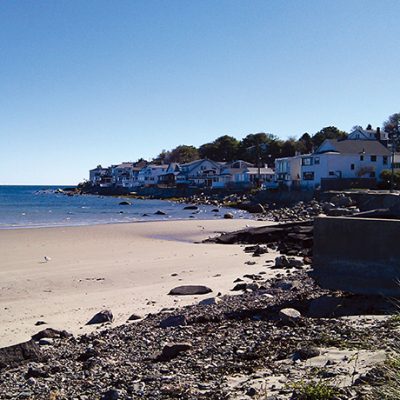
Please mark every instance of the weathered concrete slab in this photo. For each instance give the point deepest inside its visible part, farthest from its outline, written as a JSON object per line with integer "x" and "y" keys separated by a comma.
{"x": 357, "y": 255}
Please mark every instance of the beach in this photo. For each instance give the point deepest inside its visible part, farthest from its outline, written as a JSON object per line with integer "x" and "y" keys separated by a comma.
{"x": 127, "y": 268}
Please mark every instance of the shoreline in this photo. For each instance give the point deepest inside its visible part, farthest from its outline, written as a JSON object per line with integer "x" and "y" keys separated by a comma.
{"x": 126, "y": 267}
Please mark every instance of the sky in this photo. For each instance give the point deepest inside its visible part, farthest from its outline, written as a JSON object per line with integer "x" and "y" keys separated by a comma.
{"x": 89, "y": 82}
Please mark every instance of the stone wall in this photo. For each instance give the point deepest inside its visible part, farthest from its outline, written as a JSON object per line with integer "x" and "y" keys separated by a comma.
{"x": 357, "y": 255}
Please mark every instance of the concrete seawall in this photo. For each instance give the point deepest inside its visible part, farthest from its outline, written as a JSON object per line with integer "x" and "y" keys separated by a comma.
{"x": 357, "y": 255}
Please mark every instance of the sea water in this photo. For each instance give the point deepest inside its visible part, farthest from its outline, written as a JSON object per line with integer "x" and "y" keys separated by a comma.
{"x": 45, "y": 206}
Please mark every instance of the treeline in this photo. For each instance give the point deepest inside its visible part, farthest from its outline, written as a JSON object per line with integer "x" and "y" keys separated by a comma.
{"x": 262, "y": 147}
{"x": 258, "y": 147}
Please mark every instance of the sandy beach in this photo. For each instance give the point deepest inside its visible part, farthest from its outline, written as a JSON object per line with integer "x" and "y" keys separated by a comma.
{"x": 128, "y": 268}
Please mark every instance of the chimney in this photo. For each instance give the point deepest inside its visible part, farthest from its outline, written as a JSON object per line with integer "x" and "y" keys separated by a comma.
{"x": 378, "y": 133}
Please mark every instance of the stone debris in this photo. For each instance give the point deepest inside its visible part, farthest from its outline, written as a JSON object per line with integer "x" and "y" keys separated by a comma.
{"x": 235, "y": 349}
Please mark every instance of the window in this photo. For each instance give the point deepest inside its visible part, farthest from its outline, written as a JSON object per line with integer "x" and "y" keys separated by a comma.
{"x": 373, "y": 158}
{"x": 362, "y": 158}
{"x": 306, "y": 161}
{"x": 316, "y": 160}
{"x": 352, "y": 167}
{"x": 385, "y": 160}
{"x": 372, "y": 174}
{"x": 308, "y": 176}
{"x": 331, "y": 173}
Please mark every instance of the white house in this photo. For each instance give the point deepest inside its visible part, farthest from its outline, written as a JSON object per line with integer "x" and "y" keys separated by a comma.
{"x": 124, "y": 175}
{"x": 338, "y": 159}
{"x": 100, "y": 176}
{"x": 241, "y": 174}
{"x": 368, "y": 134}
{"x": 148, "y": 176}
{"x": 199, "y": 173}
{"x": 288, "y": 171}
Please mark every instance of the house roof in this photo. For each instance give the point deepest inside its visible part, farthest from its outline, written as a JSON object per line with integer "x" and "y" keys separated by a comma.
{"x": 355, "y": 147}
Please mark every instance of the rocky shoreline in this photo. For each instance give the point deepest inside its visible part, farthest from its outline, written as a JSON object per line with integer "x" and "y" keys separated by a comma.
{"x": 268, "y": 342}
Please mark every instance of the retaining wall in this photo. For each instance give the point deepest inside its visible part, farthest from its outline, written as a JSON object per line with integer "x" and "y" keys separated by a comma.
{"x": 357, "y": 255}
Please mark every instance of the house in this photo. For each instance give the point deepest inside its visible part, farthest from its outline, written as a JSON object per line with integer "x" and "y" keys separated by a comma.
{"x": 200, "y": 173}
{"x": 123, "y": 175}
{"x": 148, "y": 176}
{"x": 288, "y": 171}
{"x": 241, "y": 174}
{"x": 344, "y": 159}
{"x": 169, "y": 177}
{"x": 369, "y": 134}
{"x": 100, "y": 176}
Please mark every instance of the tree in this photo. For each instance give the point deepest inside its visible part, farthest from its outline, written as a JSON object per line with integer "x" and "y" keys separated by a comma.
{"x": 391, "y": 126}
{"x": 224, "y": 148}
{"x": 329, "y": 132}
{"x": 305, "y": 144}
{"x": 183, "y": 154}
{"x": 256, "y": 146}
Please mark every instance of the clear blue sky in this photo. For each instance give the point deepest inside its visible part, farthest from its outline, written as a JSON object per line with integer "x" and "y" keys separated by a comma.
{"x": 88, "y": 82}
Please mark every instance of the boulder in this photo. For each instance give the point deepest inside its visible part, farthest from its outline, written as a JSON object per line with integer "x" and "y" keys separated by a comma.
{"x": 134, "y": 317}
{"x": 295, "y": 263}
{"x": 304, "y": 353}
{"x": 51, "y": 333}
{"x": 112, "y": 394}
{"x": 172, "y": 350}
{"x": 228, "y": 216}
{"x": 101, "y": 317}
{"x": 290, "y": 315}
{"x": 191, "y": 208}
{"x": 253, "y": 208}
{"x": 13, "y": 355}
{"x": 187, "y": 290}
{"x": 173, "y": 321}
{"x": 210, "y": 301}
{"x": 125, "y": 203}
{"x": 159, "y": 212}
{"x": 281, "y": 262}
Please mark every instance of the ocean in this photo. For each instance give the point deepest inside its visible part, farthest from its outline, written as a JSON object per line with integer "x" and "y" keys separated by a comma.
{"x": 42, "y": 206}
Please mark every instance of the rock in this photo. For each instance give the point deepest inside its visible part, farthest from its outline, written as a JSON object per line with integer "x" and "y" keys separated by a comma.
{"x": 239, "y": 286}
{"x": 339, "y": 212}
{"x": 46, "y": 342}
{"x": 13, "y": 355}
{"x": 159, "y": 212}
{"x": 36, "y": 372}
{"x": 281, "y": 262}
{"x": 228, "y": 216}
{"x": 188, "y": 290}
{"x": 305, "y": 353}
{"x": 253, "y": 208}
{"x": 172, "y": 350}
{"x": 134, "y": 317}
{"x": 125, "y": 203}
{"x": 31, "y": 381}
{"x": 101, "y": 317}
{"x": 112, "y": 394}
{"x": 173, "y": 321}
{"x": 37, "y": 323}
{"x": 341, "y": 200}
{"x": 51, "y": 333}
{"x": 191, "y": 208}
{"x": 210, "y": 301}
{"x": 295, "y": 263}
{"x": 215, "y": 210}
{"x": 289, "y": 315}
{"x": 90, "y": 352}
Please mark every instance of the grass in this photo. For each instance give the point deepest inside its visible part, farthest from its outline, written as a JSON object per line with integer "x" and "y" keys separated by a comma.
{"x": 314, "y": 391}
{"x": 389, "y": 387}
